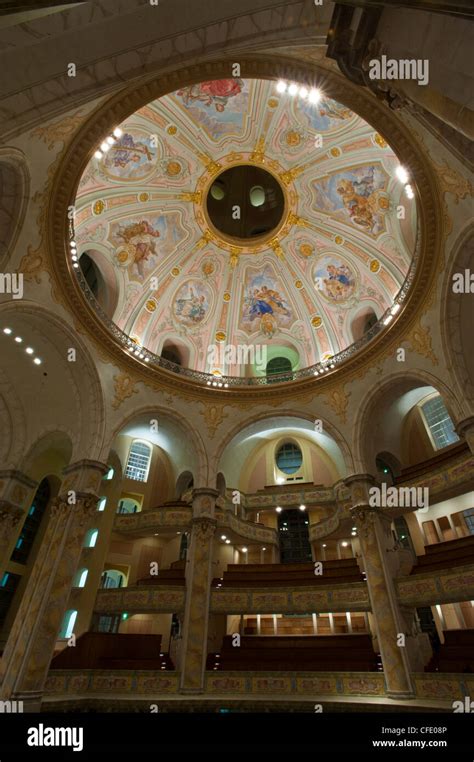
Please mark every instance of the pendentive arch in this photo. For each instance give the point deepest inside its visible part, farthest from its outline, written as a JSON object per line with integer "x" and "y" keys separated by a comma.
{"x": 385, "y": 393}
{"x": 344, "y": 462}
{"x": 456, "y": 319}
{"x": 196, "y": 460}
{"x": 14, "y": 196}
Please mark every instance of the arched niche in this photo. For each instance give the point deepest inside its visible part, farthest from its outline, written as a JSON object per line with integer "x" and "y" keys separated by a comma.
{"x": 101, "y": 278}
{"x": 14, "y": 193}
{"x": 362, "y": 322}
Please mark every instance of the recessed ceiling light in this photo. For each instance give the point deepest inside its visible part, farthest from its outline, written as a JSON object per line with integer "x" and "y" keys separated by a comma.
{"x": 302, "y": 507}
{"x": 223, "y": 537}
{"x": 263, "y": 548}
{"x": 18, "y": 339}
{"x": 7, "y": 331}
{"x": 29, "y": 350}
{"x": 324, "y": 545}
{"x": 37, "y": 361}
{"x": 344, "y": 544}
{"x": 281, "y": 86}
{"x": 278, "y": 509}
{"x": 227, "y": 542}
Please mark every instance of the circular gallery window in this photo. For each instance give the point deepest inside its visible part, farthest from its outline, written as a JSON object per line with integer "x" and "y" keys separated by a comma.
{"x": 245, "y": 202}
{"x": 289, "y": 458}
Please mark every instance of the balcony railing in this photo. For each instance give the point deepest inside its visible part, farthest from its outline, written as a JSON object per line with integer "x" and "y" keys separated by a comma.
{"x": 316, "y": 370}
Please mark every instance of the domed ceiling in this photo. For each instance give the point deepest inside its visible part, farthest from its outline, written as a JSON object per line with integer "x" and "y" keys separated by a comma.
{"x": 321, "y": 245}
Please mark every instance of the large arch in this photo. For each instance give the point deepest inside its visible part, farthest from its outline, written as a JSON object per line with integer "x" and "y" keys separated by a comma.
{"x": 456, "y": 319}
{"x": 57, "y": 384}
{"x": 174, "y": 435}
{"x": 376, "y": 406}
{"x": 329, "y": 439}
{"x": 14, "y": 195}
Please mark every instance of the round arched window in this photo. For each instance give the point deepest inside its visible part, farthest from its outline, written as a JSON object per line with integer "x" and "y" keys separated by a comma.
{"x": 289, "y": 458}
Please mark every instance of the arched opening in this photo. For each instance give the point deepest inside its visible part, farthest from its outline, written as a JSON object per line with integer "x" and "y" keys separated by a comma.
{"x": 101, "y": 279}
{"x": 69, "y": 620}
{"x": 32, "y": 523}
{"x": 363, "y": 322}
{"x": 81, "y": 578}
{"x": 184, "y": 482}
{"x": 438, "y": 422}
{"x": 220, "y": 484}
{"x": 171, "y": 353}
{"x": 293, "y": 536}
{"x": 388, "y": 467}
{"x": 138, "y": 463}
{"x": 277, "y": 366}
{"x": 91, "y": 538}
{"x": 128, "y": 505}
{"x": 112, "y": 578}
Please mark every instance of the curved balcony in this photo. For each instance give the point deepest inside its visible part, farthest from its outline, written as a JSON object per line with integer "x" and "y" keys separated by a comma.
{"x": 316, "y": 599}
{"x": 170, "y": 518}
{"x": 248, "y": 531}
{"x": 156, "y": 599}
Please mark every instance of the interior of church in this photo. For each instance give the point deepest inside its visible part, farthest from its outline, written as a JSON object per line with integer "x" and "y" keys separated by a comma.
{"x": 236, "y": 356}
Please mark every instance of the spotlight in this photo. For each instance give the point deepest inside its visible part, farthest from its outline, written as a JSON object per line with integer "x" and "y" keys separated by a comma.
{"x": 302, "y": 507}
{"x": 227, "y": 542}
{"x": 75, "y": 264}
{"x": 388, "y": 319}
{"x": 18, "y": 339}
{"x": 223, "y": 537}
{"x": 281, "y": 86}
{"x": 7, "y": 331}
{"x": 118, "y": 132}
{"x": 147, "y": 359}
{"x": 402, "y": 174}
{"x": 303, "y": 92}
{"x": 104, "y": 146}
{"x": 208, "y": 383}
{"x": 395, "y": 309}
{"x": 110, "y": 140}
{"x": 98, "y": 154}
{"x": 314, "y": 96}
{"x": 293, "y": 89}
{"x": 278, "y": 509}
{"x": 29, "y": 350}
{"x": 344, "y": 544}
{"x": 244, "y": 550}
{"x": 37, "y": 361}
{"x": 226, "y": 386}
{"x": 324, "y": 545}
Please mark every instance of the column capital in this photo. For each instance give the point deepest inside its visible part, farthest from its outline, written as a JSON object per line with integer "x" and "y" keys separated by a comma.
{"x": 83, "y": 476}
{"x": 204, "y": 501}
{"x": 463, "y": 427}
{"x": 15, "y": 486}
{"x": 359, "y": 486}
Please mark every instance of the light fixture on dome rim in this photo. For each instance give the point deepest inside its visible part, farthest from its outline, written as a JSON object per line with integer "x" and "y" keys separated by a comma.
{"x": 19, "y": 340}
{"x": 302, "y": 507}
{"x": 402, "y": 174}
{"x": 108, "y": 142}
{"x": 312, "y": 95}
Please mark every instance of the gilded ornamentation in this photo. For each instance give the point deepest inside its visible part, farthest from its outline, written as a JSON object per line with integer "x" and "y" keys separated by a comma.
{"x": 124, "y": 387}
{"x": 59, "y": 131}
{"x": 195, "y": 197}
{"x": 338, "y": 400}
{"x": 258, "y": 156}
{"x": 213, "y": 417}
{"x": 273, "y": 102}
{"x": 276, "y": 246}
{"x": 172, "y": 130}
{"x": 98, "y": 207}
{"x": 380, "y": 141}
{"x": 374, "y": 265}
{"x": 316, "y": 322}
{"x": 234, "y": 259}
{"x": 452, "y": 182}
{"x": 419, "y": 339}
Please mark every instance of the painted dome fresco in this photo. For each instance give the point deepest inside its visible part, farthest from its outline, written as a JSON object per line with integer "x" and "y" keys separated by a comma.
{"x": 233, "y": 213}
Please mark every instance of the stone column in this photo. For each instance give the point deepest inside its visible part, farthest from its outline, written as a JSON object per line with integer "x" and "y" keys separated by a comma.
{"x": 198, "y": 591}
{"x": 375, "y": 537}
{"x": 16, "y": 493}
{"x": 31, "y": 642}
{"x": 465, "y": 430}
